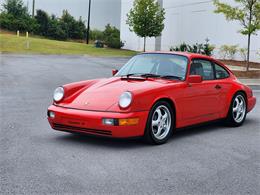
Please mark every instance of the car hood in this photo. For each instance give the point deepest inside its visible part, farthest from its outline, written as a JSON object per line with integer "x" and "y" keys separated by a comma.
{"x": 106, "y": 92}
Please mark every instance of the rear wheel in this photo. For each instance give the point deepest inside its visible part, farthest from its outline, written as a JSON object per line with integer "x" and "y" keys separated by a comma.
{"x": 160, "y": 123}
{"x": 237, "y": 111}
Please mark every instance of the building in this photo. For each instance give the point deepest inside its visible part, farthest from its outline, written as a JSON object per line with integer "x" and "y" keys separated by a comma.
{"x": 189, "y": 21}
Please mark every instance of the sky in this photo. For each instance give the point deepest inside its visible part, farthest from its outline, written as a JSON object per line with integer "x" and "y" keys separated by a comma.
{"x": 102, "y": 11}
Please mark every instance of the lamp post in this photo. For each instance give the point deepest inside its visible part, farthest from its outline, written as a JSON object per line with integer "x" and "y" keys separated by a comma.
{"x": 33, "y": 7}
{"x": 89, "y": 7}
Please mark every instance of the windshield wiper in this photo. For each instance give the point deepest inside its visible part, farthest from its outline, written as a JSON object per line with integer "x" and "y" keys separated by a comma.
{"x": 150, "y": 75}
{"x": 129, "y": 76}
{"x": 171, "y": 77}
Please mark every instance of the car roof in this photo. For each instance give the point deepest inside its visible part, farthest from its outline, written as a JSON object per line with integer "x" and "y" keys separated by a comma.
{"x": 186, "y": 54}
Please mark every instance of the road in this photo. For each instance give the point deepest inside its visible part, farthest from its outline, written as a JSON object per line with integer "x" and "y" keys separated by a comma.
{"x": 34, "y": 159}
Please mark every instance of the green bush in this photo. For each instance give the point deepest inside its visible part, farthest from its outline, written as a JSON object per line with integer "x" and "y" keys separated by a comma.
{"x": 15, "y": 16}
{"x": 112, "y": 37}
{"x": 205, "y": 49}
{"x": 228, "y": 51}
{"x": 243, "y": 53}
{"x": 96, "y": 35}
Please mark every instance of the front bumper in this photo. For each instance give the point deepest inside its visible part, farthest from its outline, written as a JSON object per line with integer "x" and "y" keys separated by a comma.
{"x": 90, "y": 122}
{"x": 251, "y": 103}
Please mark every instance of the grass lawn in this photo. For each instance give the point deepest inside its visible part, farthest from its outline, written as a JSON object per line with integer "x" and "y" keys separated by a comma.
{"x": 13, "y": 44}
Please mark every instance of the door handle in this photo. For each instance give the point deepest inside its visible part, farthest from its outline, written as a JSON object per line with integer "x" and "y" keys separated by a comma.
{"x": 217, "y": 87}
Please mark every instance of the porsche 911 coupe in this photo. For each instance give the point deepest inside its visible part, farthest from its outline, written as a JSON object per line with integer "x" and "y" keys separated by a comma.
{"x": 151, "y": 96}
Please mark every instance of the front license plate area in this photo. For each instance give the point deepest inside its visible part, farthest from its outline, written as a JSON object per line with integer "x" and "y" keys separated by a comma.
{"x": 74, "y": 122}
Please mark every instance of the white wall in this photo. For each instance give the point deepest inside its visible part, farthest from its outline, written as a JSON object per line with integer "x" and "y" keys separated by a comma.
{"x": 190, "y": 21}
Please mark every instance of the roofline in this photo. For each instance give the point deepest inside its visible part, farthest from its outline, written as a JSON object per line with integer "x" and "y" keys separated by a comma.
{"x": 186, "y": 54}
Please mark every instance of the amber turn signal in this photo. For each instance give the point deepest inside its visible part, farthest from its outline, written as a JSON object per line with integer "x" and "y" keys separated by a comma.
{"x": 129, "y": 121}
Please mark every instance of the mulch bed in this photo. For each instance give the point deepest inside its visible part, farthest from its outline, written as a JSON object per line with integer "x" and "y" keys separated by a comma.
{"x": 240, "y": 63}
{"x": 254, "y": 74}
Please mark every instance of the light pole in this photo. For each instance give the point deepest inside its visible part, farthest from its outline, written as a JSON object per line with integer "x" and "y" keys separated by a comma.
{"x": 33, "y": 7}
{"x": 89, "y": 7}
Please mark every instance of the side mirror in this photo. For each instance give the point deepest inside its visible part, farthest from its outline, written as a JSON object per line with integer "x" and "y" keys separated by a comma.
{"x": 114, "y": 71}
{"x": 195, "y": 79}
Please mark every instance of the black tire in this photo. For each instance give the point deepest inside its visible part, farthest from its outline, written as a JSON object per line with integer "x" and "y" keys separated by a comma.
{"x": 149, "y": 135}
{"x": 230, "y": 119}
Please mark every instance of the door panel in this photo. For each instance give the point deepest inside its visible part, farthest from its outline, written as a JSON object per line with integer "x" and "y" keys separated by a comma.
{"x": 201, "y": 101}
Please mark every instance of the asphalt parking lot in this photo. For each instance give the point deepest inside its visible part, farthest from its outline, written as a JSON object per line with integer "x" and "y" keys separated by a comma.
{"x": 37, "y": 160}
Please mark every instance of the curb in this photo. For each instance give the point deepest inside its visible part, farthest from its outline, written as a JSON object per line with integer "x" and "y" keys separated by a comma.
{"x": 254, "y": 87}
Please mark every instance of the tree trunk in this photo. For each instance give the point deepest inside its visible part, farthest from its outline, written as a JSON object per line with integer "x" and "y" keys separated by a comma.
{"x": 248, "y": 52}
{"x": 249, "y": 35}
{"x": 144, "y": 43}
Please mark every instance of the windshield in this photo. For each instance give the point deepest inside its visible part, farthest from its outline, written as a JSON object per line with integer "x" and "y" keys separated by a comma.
{"x": 156, "y": 64}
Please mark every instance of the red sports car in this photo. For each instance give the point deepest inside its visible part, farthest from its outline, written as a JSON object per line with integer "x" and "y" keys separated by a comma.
{"x": 152, "y": 95}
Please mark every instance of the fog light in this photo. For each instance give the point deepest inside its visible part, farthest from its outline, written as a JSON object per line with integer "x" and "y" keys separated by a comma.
{"x": 128, "y": 121}
{"x": 51, "y": 114}
{"x": 109, "y": 121}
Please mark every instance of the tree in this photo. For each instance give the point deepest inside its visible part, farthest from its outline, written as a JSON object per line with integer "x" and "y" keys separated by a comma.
{"x": 15, "y": 16}
{"x": 74, "y": 29}
{"x": 43, "y": 21}
{"x": 146, "y": 19}
{"x": 112, "y": 37}
{"x": 248, "y": 14}
{"x": 15, "y": 8}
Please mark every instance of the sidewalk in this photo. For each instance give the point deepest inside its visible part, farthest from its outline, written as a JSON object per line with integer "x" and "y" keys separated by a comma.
{"x": 252, "y": 83}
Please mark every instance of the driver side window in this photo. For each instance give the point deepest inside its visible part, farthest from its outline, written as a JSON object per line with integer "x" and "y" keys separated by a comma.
{"x": 203, "y": 68}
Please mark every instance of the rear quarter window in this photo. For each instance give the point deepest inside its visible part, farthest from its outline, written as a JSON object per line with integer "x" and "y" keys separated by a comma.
{"x": 221, "y": 73}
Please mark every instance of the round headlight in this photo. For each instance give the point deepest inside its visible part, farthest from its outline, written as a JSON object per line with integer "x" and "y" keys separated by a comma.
{"x": 58, "y": 94}
{"x": 125, "y": 99}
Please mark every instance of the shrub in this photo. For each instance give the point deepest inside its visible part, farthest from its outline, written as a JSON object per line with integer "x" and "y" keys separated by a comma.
{"x": 112, "y": 37}
{"x": 205, "y": 49}
{"x": 96, "y": 35}
{"x": 243, "y": 53}
{"x": 228, "y": 51}
{"x": 15, "y": 16}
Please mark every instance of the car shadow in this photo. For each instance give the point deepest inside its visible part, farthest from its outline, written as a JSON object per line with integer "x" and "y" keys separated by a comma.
{"x": 138, "y": 142}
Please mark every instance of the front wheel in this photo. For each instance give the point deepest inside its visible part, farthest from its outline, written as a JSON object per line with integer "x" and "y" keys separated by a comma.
{"x": 237, "y": 111}
{"x": 160, "y": 123}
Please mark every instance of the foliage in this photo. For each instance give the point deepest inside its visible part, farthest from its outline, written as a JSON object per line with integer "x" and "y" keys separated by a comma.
{"x": 228, "y": 51}
{"x": 243, "y": 53}
{"x": 146, "y": 19}
{"x": 247, "y": 13}
{"x": 15, "y": 8}
{"x": 43, "y": 20}
{"x": 15, "y": 16}
{"x": 14, "y": 44}
{"x": 112, "y": 37}
{"x": 96, "y": 35}
{"x": 205, "y": 49}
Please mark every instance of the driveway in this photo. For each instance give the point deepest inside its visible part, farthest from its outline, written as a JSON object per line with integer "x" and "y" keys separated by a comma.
{"x": 34, "y": 159}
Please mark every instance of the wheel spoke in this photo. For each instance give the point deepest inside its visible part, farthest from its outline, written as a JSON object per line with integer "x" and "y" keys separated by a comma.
{"x": 158, "y": 133}
{"x": 155, "y": 123}
{"x": 237, "y": 102}
{"x": 164, "y": 117}
{"x": 241, "y": 103}
{"x": 159, "y": 112}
